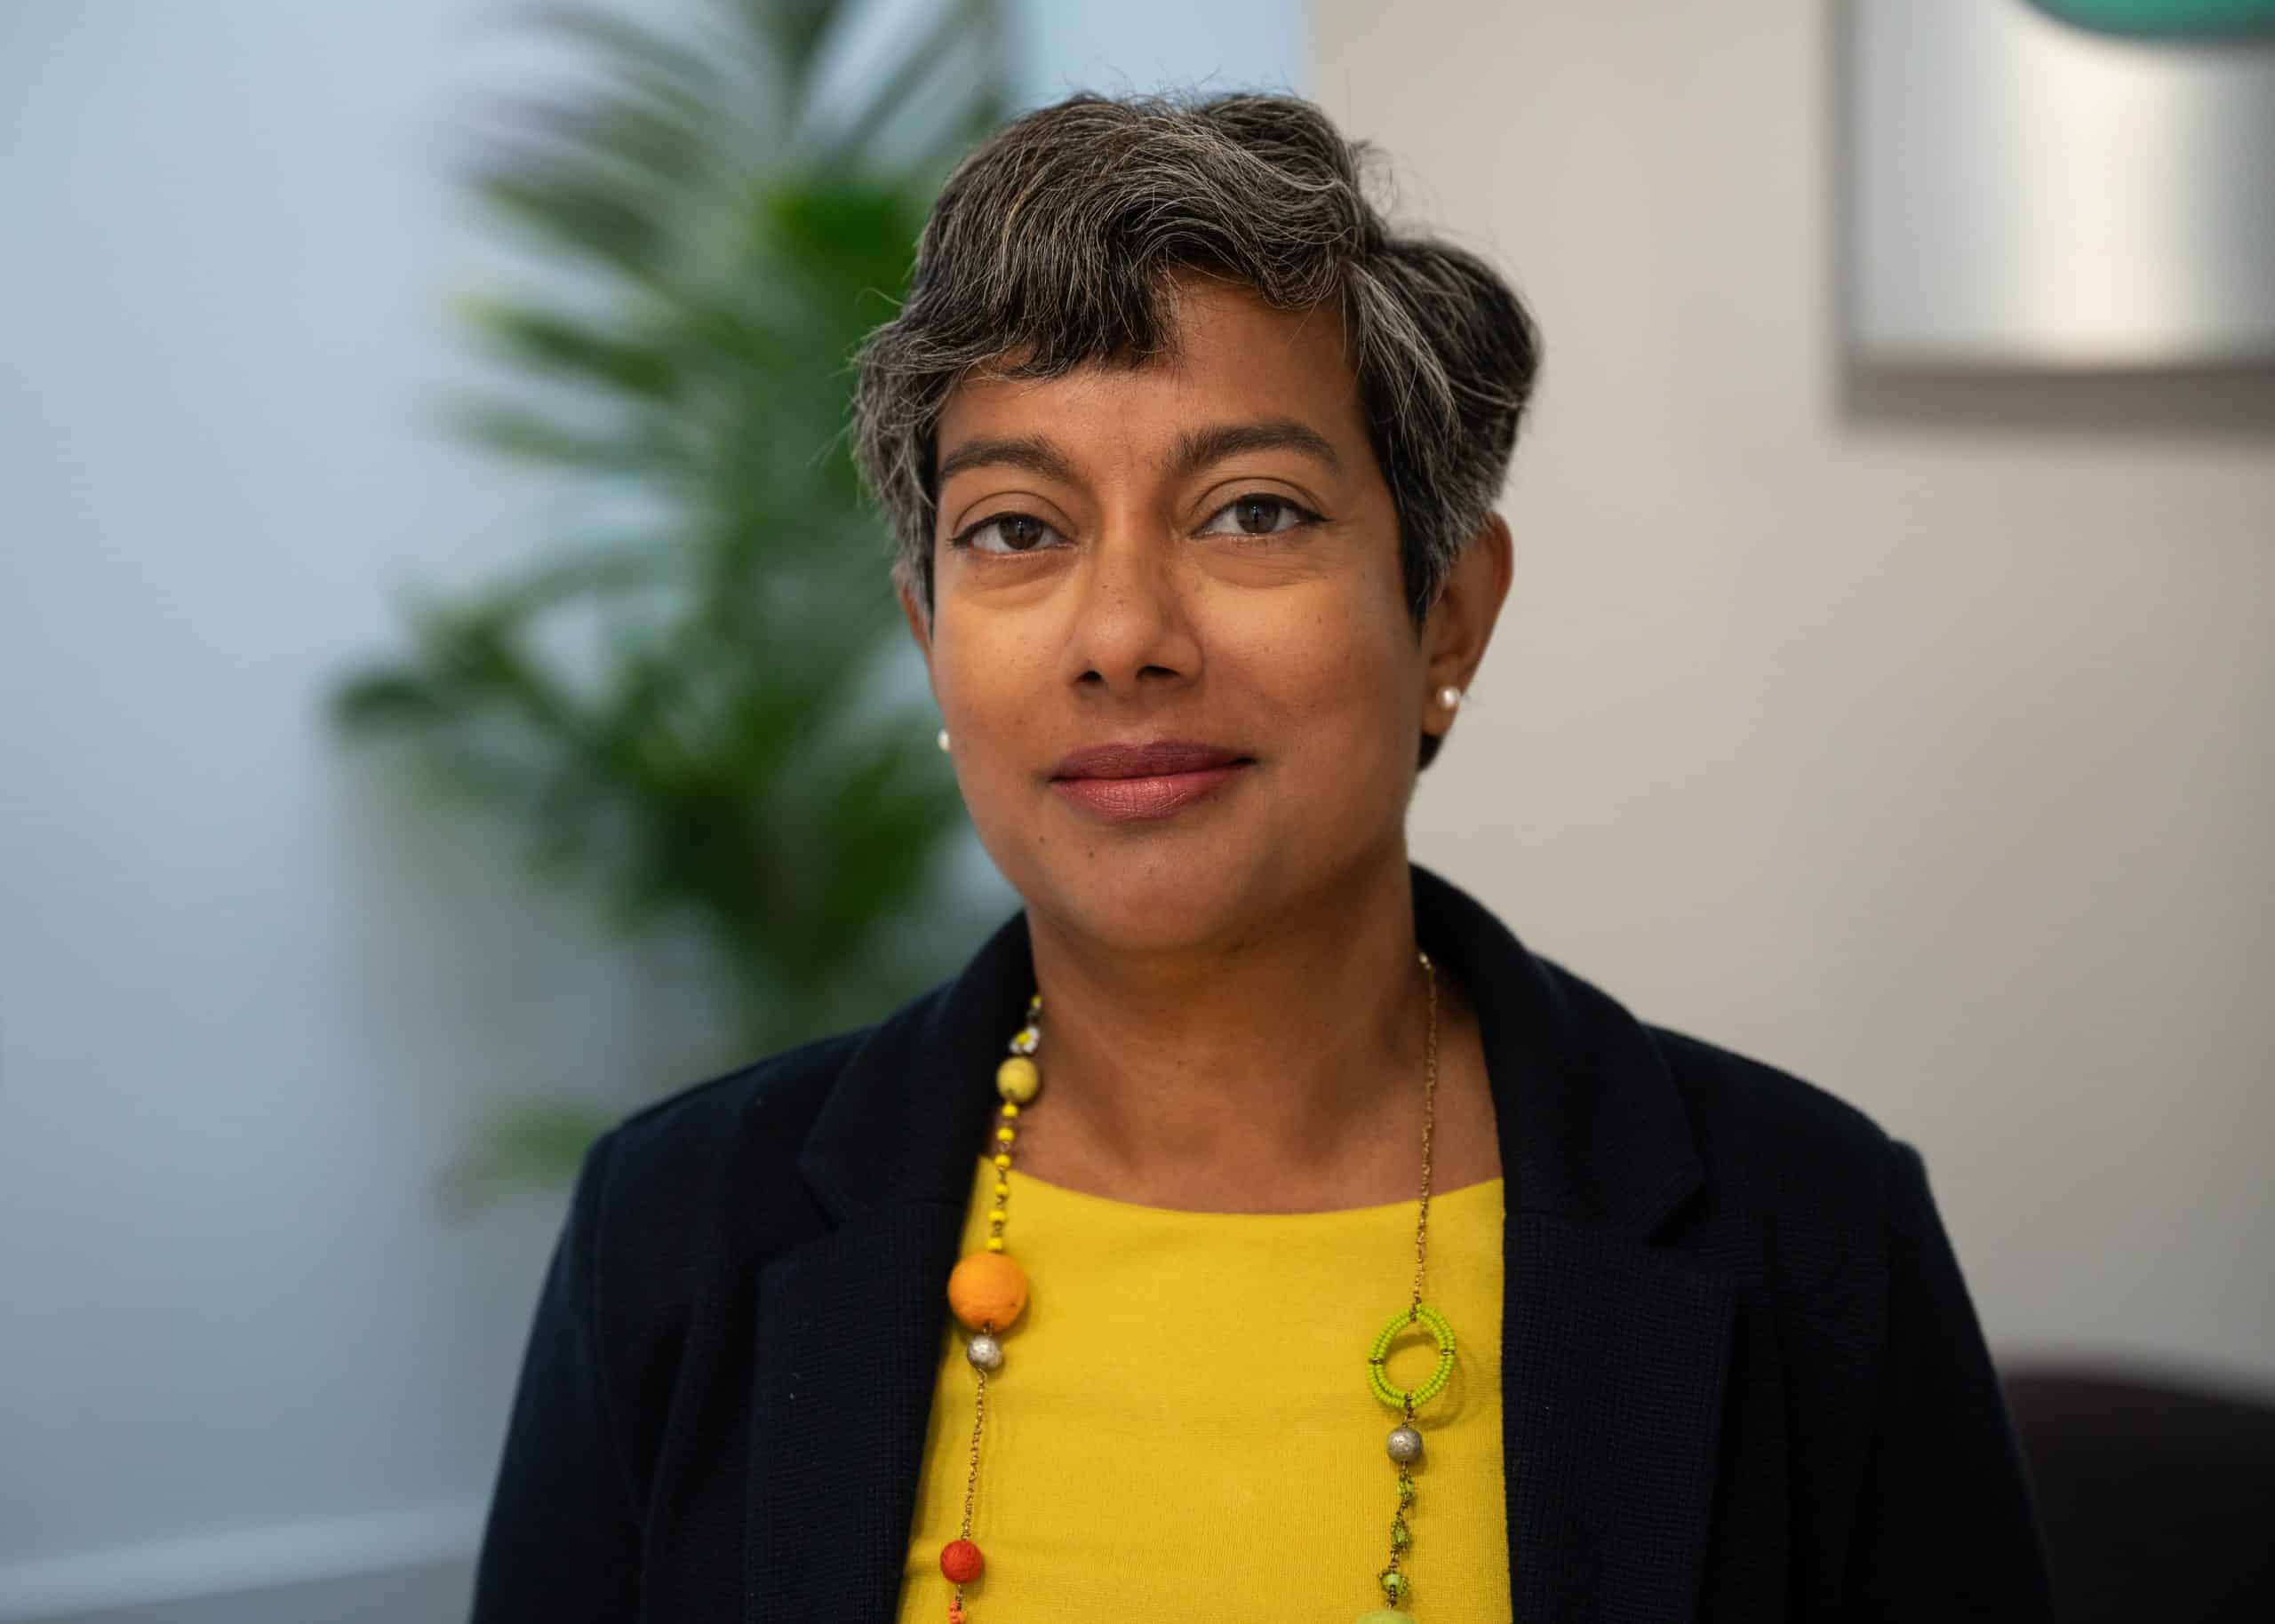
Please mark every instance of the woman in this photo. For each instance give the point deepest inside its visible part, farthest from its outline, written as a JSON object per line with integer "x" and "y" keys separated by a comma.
{"x": 1255, "y": 1229}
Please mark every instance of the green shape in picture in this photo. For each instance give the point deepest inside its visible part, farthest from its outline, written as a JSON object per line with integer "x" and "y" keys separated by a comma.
{"x": 2166, "y": 19}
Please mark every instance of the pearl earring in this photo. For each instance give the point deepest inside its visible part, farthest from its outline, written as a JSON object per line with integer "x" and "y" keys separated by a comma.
{"x": 1449, "y": 696}
{"x": 943, "y": 738}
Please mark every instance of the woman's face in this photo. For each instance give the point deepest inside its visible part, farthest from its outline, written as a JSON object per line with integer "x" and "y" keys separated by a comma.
{"x": 1199, "y": 551}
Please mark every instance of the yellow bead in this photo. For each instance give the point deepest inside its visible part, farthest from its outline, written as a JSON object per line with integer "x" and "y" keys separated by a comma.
{"x": 1001, "y": 1190}
{"x": 1011, "y": 1109}
{"x": 1017, "y": 1079}
{"x": 1003, "y": 1160}
{"x": 985, "y": 1289}
{"x": 998, "y": 1216}
{"x": 1006, "y": 1134}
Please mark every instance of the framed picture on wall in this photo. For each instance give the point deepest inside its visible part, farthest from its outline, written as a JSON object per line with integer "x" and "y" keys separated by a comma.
{"x": 2058, "y": 184}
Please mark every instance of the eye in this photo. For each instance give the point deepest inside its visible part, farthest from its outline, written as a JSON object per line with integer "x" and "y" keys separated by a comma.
{"x": 1013, "y": 533}
{"x": 1258, "y": 514}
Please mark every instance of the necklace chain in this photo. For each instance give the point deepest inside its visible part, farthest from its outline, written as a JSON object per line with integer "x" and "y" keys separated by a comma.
{"x": 1429, "y": 1122}
{"x": 963, "y": 1556}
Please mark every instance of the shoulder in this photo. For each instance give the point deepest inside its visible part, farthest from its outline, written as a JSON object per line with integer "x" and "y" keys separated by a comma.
{"x": 674, "y": 1209}
{"x": 1755, "y": 1123}
{"x": 1780, "y": 1153}
{"x": 666, "y": 1168}
{"x": 758, "y": 1110}
{"x": 1788, "y": 1155}
{"x": 702, "y": 1184}
{"x": 1739, "y": 1100}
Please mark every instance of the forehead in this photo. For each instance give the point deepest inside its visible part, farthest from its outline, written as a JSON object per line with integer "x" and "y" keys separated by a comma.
{"x": 1231, "y": 357}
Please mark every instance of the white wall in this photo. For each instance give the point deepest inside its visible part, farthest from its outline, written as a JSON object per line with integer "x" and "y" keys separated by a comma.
{"x": 253, "y": 994}
{"x": 1917, "y": 738}
{"x": 1061, "y": 46}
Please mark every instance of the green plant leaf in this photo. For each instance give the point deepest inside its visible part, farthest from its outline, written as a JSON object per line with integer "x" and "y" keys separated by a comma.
{"x": 686, "y": 714}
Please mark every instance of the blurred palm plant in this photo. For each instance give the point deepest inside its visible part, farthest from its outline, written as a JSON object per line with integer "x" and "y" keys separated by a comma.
{"x": 699, "y": 696}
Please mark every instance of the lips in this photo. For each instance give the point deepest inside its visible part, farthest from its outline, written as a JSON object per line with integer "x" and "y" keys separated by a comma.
{"x": 1156, "y": 761}
{"x": 1128, "y": 782}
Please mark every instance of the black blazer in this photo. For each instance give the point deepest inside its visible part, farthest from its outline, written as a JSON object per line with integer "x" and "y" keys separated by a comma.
{"x": 1743, "y": 1379}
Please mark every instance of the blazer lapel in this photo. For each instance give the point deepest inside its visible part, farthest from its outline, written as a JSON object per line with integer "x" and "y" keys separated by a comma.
{"x": 1615, "y": 1352}
{"x": 848, "y": 1338}
{"x": 849, "y": 1334}
{"x": 1614, "y": 1359}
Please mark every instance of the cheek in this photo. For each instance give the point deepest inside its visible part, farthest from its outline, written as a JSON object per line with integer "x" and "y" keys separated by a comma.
{"x": 1330, "y": 673}
{"x": 982, "y": 673}
{"x": 992, "y": 686}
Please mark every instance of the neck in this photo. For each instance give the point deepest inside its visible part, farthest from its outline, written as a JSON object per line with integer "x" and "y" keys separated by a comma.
{"x": 1281, "y": 1072}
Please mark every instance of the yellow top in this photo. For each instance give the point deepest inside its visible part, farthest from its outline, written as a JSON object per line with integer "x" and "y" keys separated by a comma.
{"x": 1182, "y": 1426}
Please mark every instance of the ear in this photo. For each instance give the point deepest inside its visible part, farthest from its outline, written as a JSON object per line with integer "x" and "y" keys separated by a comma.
{"x": 920, "y": 624}
{"x": 1461, "y": 622}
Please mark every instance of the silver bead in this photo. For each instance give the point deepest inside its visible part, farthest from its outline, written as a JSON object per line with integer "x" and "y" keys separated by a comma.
{"x": 985, "y": 1352}
{"x": 1405, "y": 1443}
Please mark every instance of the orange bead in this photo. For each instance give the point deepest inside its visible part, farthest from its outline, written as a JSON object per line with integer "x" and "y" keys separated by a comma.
{"x": 987, "y": 1289}
{"x": 960, "y": 1561}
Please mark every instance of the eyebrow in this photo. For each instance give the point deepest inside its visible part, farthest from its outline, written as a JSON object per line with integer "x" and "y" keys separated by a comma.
{"x": 1031, "y": 452}
{"x": 1198, "y": 448}
{"x": 1195, "y": 449}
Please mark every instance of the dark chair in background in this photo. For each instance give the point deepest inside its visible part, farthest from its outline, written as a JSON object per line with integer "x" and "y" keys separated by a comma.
{"x": 2157, "y": 1495}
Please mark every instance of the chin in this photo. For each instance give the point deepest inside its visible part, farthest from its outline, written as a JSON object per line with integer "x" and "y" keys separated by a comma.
{"x": 1143, "y": 896}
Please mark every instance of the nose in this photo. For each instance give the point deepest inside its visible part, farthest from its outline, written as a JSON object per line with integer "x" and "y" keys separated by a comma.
{"x": 1131, "y": 630}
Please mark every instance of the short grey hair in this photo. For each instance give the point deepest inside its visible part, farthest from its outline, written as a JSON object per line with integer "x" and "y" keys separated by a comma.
{"x": 1051, "y": 244}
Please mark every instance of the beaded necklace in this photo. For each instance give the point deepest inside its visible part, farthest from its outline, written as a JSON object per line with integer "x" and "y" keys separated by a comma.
{"x": 988, "y": 1291}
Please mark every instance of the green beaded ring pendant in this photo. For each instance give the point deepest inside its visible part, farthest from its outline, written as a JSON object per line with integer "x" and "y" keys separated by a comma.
{"x": 1405, "y": 1443}
{"x": 1408, "y": 1399}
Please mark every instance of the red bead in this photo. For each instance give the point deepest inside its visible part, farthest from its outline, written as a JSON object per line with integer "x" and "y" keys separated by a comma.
{"x": 960, "y": 1561}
